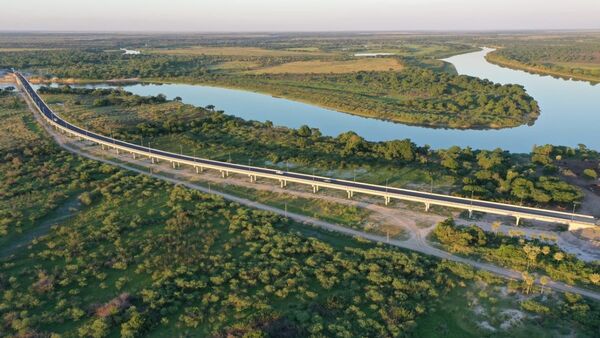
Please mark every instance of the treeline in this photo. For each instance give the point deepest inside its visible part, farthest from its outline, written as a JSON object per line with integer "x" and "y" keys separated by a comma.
{"x": 95, "y": 64}
{"x": 412, "y": 96}
{"x": 565, "y": 58}
{"x": 102, "y": 65}
{"x": 7, "y": 91}
{"x": 492, "y": 175}
{"x": 105, "y": 96}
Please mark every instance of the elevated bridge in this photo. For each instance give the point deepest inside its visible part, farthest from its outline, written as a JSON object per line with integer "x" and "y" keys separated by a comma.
{"x": 573, "y": 220}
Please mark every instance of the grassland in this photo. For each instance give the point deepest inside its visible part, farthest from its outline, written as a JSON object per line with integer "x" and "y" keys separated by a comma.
{"x": 336, "y": 67}
{"x": 233, "y": 51}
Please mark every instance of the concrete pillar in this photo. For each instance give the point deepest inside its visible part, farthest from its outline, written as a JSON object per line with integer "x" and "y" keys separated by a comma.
{"x": 223, "y": 173}
{"x": 152, "y": 160}
{"x": 117, "y": 149}
{"x": 350, "y": 193}
{"x": 518, "y": 220}
{"x": 197, "y": 171}
{"x": 102, "y": 145}
{"x": 315, "y": 189}
{"x": 387, "y": 200}
{"x": 282, "y": 183}
{"x": 470, "y": 213}
{"x": 426, "y": 206}
{"x": 173, "y": 164}
{"x": 133, "y": 155}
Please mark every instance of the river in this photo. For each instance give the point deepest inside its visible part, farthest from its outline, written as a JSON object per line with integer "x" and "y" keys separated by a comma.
{"x": 570, "y": 111}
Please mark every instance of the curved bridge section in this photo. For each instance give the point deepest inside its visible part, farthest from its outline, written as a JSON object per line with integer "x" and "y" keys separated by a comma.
{"x": 575, "y": 221}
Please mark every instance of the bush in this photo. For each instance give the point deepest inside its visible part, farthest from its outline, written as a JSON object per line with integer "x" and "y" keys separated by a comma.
{"x": 590, "y": 173}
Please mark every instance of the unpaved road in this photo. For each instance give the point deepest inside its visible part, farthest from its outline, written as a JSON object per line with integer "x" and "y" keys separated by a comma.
{"x": 416, "y": 242}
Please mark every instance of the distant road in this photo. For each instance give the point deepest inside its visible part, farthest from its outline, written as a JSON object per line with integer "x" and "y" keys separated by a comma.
{"x": 388, "y": 193}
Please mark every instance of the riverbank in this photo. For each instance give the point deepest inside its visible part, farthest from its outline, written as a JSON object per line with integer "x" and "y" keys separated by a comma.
{"x": 413, "y": 97}
{"x": 496, "y": 59}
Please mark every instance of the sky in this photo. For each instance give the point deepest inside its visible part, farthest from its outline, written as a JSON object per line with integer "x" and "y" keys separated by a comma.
{"x": 297, "y": 15}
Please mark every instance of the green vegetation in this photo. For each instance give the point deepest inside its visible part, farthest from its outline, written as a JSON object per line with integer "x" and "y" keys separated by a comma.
{"x": 516, "y": 253}
{"x": 409, "y": 86}
{"x": 567, "y": 56}
{"x": 500, "y": 309}
{"x": 412, "y": 96}
{"x": 172, "y": 125}
{"x": 143, "y": 257}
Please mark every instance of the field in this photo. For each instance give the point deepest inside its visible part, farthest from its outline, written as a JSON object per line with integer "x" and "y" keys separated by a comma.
{"x": 233, "y": 51}
{"x": 318, "y": 66}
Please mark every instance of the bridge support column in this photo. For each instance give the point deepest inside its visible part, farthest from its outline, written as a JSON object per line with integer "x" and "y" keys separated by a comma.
{"x": 426, "y": 206}
{"x": 173, "y": 164}
{"x": 470, "y": 213}
{"x": 283, "y": 183}
{"x": 102, "y": 145}
{"x": 350, "y": 193}
{"x": 197, "y": 170}
{"x": 117, "y": 149}
{"x": 315, "y": 189}
{"x": 152, "y": 160}
{"x": 518, "y": 220}
{"x": 224, "y": 173}
{"x": 133, "y": 154}
{"x": 387, "y": 200}
{"x": 252, "y": 178}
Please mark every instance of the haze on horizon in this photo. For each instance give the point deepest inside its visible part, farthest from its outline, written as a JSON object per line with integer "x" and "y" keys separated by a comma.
{"x": 296, "y": 15}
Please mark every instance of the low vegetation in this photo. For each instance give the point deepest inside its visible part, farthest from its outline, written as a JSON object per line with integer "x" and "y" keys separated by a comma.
{"x": 517, "y": 253}
{"x": 407, "y": 86}
{"x": 576, "y": 57}
{"x": 171, "y": 125}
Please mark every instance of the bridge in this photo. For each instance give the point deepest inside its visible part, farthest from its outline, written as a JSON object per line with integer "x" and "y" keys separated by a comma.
{"x": 573, "y": 220}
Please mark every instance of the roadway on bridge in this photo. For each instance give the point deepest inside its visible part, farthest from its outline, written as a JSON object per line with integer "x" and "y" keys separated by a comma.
{"x": 464, "y": 202}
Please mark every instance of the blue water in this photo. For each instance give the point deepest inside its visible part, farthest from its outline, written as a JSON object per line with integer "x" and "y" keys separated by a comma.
{"x": 570, "y": 111}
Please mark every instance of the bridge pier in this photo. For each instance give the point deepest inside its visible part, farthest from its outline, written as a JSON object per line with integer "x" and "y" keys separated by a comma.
{"x": 470, "y": 213}
{"x": 518, "y": 220}
{"x": 283, "y": 183}
{"x": 315, "y": 189}
{"x": 224, "y": 173}
{"x": 252, "y": 178}
{"x": 152, "y": 160}
{"x": 426, "y": 207}
{"x": 387, "y": 200}
{"x": 117, "y": 149}
{"x": 102, "y": 145}
{"x": 350, "y": 193}
{"x": 133, "y": 154}
{"x": 173, "y": 164}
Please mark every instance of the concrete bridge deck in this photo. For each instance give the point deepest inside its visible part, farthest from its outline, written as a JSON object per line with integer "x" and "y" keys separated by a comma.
{"x": 573, "y": 220}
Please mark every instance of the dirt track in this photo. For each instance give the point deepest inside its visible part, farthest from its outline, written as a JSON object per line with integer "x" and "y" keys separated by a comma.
{"x": 417, "y": 235}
